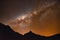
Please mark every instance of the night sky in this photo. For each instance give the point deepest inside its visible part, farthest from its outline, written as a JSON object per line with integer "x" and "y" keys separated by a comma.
{"x": 46, "y": 22}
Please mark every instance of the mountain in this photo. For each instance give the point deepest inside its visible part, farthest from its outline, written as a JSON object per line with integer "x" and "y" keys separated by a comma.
{"x": 54, "y": 37}
{"x": 6, "y": 33}
{"x": 32, "y": 36}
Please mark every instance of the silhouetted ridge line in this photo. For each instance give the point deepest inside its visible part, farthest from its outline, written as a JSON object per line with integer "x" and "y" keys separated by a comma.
{"x": 30, "y": 32}
{"x": 54, "y": 37}
{"x": 6, "y": 33}
{"x": 32, "y": 36}
{"x": 5, "y": 28}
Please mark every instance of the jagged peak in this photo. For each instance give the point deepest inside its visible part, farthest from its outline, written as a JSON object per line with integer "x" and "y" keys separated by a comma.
{"x": 32, "y": 33}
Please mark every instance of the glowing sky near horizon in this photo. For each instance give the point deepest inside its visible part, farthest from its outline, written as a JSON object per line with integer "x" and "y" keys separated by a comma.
{"x": 40, "y": 16}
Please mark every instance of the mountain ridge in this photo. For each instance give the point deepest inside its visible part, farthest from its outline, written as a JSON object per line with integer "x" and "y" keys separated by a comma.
{"x": 6, "y": 33}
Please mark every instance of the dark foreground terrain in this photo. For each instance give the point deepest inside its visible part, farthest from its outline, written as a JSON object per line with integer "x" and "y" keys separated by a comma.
{"x": 6, "y": 33}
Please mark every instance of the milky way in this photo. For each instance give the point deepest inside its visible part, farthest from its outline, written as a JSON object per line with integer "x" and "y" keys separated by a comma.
{"x": 40, "y": 16}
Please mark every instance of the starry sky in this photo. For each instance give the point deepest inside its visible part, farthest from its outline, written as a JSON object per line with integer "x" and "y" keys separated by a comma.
{"x": 46, "y": 22}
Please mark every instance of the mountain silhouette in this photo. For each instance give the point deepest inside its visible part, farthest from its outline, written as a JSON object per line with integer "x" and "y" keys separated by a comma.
{"x": 54, "y": 37}
{"x": 6, "y": 33}
{"x": 32, "y": 36}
